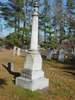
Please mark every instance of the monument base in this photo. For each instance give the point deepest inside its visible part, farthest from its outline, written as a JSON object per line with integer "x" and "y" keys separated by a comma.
{"x": 32, "y": 85}
{"x": 32, "y": 76}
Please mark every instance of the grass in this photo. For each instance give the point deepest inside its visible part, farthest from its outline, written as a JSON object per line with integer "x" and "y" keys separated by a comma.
{"x": 61, "y": 80}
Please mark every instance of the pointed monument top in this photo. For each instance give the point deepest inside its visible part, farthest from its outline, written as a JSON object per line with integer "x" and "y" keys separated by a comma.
{"x": 36, "y": 9}
{"x": 36, "y": 4}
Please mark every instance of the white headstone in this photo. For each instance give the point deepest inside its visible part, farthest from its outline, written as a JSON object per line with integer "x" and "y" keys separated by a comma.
{"x": 14, "y": 50}
{"x": 18, "y": 51}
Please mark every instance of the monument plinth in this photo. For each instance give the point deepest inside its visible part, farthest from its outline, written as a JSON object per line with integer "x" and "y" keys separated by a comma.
{"x": 32, "y": 76}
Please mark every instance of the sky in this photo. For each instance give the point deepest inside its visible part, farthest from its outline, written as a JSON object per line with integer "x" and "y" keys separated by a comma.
{"x": 5, "y": 31}
{"x": 4, "y": 0}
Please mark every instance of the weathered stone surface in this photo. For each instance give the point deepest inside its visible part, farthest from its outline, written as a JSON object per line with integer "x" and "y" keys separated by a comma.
{"x": 33, "y": 85}
{"x": 49, "y": 54}
{"x": 32, "y": 76}
{"x": 61, "y": 55}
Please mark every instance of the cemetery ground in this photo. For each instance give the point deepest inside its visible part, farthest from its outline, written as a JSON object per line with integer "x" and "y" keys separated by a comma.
{"x": 61, "y": 80}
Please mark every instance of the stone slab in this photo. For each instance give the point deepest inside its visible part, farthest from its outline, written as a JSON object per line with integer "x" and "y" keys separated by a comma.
{"x": 26, "y": 73}
{"x": 32, "y": 85}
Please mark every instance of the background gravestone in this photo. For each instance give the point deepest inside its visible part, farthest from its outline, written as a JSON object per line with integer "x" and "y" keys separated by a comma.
{"x": 49, "y": 54}
{"x": 61, "y": 55}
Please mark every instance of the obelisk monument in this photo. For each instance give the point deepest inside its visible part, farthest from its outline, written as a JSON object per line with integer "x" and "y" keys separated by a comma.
{"x": 32, "y": 76}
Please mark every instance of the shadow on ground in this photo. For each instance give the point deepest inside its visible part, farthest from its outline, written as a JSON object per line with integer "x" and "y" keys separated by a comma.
{"x": 68, "y": 64}
{"x": 70, "y": 72}
{"x": 2, "y": 82}
{"x": 15, "y": 74}
{"x": 69, "y": 69}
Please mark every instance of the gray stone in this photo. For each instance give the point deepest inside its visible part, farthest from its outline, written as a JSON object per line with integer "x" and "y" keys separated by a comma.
{"x": 61, "y": 55}
{"x": 49, "y": 54}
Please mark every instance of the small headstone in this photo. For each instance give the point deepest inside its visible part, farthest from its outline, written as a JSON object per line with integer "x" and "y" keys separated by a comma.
{"x": 55, "y": 51}
{"x": 49, "y": 54}
{"x": 10, "y": 67}
{"x": 61, "y": 55}
{"x": 14, "y": 50}
{"x": 18, "y": 51}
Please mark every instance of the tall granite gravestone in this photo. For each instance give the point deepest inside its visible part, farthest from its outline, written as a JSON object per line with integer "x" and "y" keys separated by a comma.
{"x": 61, "y": 55}
{"x": 32, "y": 76}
